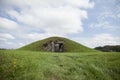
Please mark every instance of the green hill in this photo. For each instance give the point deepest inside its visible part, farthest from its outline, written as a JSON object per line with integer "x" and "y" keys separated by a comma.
{"x": 70, "y": 46}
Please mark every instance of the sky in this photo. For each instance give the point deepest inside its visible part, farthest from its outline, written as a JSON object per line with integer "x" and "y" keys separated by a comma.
{"x": 90, "y": 22}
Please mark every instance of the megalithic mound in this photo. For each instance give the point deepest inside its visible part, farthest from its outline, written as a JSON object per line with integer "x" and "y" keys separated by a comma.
{"x": 57, "y": 44}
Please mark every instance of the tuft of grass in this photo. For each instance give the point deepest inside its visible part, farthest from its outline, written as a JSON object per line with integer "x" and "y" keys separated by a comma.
{"x": 32, "y": 65}
{"x": 70, "y": 46}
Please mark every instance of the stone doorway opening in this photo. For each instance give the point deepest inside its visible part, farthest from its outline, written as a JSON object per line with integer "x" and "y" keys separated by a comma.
{"x": 54, "y": 46}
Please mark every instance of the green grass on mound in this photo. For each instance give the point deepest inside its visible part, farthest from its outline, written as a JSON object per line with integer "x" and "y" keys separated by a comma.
{"x": 70, "y": 45}
{"x": 31, "y": 65}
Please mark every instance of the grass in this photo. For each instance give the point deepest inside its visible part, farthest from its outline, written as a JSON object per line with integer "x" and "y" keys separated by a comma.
{"x": 70, "y": 46}
{"x": 33, "y": 65}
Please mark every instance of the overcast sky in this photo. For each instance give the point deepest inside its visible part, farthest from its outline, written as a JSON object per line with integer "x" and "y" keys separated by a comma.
{"x": 89, "y": 22}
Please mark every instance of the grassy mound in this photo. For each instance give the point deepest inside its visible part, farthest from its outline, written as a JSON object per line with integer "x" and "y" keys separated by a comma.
{"x": 70, "y": 45}
{"x": 33, "y": 65}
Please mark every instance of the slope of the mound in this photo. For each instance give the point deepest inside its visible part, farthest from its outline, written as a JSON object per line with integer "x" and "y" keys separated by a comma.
{"x": 70, "y": 46}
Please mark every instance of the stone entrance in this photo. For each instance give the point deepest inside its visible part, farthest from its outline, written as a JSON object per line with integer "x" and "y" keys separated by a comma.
{"x": 54, "y": 46}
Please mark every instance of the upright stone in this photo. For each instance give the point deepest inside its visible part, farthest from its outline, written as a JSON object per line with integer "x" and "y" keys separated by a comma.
{"x": 56, "y": 47}
{"x": 52, "y": 46}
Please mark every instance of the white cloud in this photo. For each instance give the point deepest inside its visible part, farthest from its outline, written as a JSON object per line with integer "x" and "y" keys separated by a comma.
{"x": 108, "y": 13}
{"x": 20, "y": 44}
{"x": 104, "y": 25}
{"x": 10, "y": 45}
{"x": 118, "y": 15}
{"x": 53, "y": 17}
{"x": 47, "y": 3}
{"x": 107, "y": 17}
{"x": 56, "y": 17}
{"x": 8, "y": 24}
{"x": 99, "y": 40}
{"x": 6, "y": 36}
{"x": 36, "y": 36}
{"x": 82, "y": 3}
